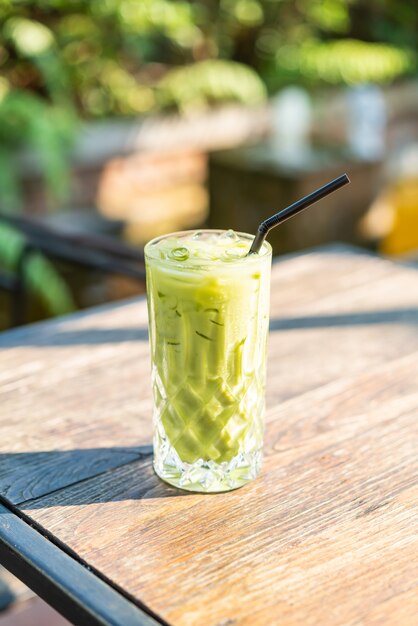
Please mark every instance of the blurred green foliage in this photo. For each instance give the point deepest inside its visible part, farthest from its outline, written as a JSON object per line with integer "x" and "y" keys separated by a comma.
{"x": 62, "y": 60}
{"x": 40, "y": 275}
{"x": 115, "y": 57}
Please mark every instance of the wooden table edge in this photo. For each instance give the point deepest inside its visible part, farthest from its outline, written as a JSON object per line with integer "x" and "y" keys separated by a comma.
{"x": 71, "y": 587}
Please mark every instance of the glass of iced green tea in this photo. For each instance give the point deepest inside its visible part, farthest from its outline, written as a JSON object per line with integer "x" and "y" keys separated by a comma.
{"x": 208, "y": 304}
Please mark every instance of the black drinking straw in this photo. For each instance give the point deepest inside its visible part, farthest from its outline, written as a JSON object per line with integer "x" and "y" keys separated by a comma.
{"x": 294, "y": 209}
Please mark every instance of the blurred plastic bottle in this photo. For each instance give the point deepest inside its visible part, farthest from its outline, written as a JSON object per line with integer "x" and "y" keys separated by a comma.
{"x": 366, "y": 122}
{"x": 292, "y": 116}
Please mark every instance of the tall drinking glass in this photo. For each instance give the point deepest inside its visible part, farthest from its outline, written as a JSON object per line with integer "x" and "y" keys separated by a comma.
{"x": 208, "y": 305}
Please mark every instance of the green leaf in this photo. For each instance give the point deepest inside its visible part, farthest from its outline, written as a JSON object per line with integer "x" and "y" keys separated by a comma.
{"x": 43, "y": 281}
{"x": 210, "y": 81}
{"x": 10, "y": 193}
{"x": 29, "y": 37}
{"x": 346, "y": 61}
{"x": 30, "y": 122}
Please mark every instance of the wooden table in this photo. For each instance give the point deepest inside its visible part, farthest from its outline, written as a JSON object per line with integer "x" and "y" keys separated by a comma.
{"x": 324, "y": 537}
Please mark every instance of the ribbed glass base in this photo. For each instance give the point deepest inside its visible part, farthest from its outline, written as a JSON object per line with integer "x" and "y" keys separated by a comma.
{"x": 206, "y": 476}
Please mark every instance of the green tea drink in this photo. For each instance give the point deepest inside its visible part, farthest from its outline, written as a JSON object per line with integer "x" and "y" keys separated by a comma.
{"x": 208, "y": 305}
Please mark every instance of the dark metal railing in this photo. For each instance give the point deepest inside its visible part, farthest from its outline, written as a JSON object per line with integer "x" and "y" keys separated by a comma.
{"x": 94, "y": 252}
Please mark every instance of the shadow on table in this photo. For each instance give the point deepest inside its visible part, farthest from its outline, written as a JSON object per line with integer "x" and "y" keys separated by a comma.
{"x": 43, "y": 479}
{"x": 95, "y": 336}
{"x": 67, "y": 337}
{"x": 389, "y": 316}
{"x": 61, "y": 336}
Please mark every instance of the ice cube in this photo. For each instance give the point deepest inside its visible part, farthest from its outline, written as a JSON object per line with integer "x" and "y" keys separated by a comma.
{"x": 236, "y": 252}
{"x": 206, "y": 253}
{"x": 228, "y": 237}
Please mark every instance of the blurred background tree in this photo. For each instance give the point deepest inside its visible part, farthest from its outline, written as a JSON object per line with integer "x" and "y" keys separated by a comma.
{"x": 62, "y": 61}
{"x": 99, "y": 58}
{"x": 114, "y": 57}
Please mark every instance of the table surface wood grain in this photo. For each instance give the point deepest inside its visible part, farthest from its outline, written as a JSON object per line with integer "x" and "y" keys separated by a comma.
{"x": 326, "y": 535}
